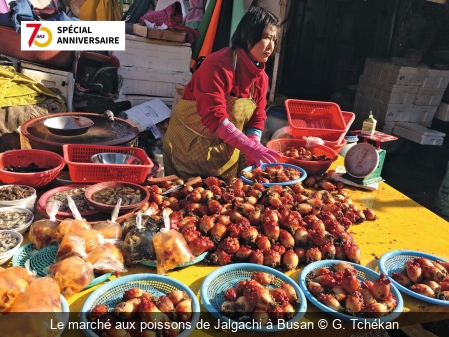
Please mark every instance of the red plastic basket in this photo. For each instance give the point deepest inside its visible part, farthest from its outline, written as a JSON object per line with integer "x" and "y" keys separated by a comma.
{"x": 315, "y": 119}
{"x": 24, "y": 157}
{"x": 82, "y": 169}
{"x": 311, "y": 167}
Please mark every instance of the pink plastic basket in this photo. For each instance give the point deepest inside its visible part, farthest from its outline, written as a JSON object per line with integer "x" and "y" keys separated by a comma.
{"x": 315, "y": 119}
{"x": 82, "y": 169}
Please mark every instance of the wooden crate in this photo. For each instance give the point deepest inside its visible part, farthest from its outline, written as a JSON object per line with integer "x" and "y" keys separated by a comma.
{"x": 159, "y": 34}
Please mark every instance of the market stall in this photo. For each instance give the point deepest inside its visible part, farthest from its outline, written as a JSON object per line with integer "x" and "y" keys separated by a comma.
{"x": 402, "y": 224}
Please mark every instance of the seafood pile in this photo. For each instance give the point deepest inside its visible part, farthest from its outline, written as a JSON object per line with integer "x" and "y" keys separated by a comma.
{"x": 302, "y": 154}
{"x": 14, "y": 218}
{"x": 252, "y": 299}
{"x": 277, "y": 226}
{"x": 425, "y": 277}
{"x": 166, "y": 315}
{"x": 30, "y": 168}
{"x": 7, "y": 242}
{"x": 339, "y": 288}
{"x": 272, "y": 174}
{"x": 14, "y": 192}
{"x": 77, "y": 195}
{"x": 110, "y": 196}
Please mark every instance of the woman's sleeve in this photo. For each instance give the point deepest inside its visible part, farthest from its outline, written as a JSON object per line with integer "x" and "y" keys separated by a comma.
{"x": 210, "y": 89}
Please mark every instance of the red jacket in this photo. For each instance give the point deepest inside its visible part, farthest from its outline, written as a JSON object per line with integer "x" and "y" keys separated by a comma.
{"x": 215, "y": 79}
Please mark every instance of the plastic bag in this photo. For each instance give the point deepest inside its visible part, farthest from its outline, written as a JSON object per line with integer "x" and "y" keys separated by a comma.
{"x": 36, "y": 312}
{"x": 72, "y": 274}
{"x": 146, "y": 221}
{"x": 311, "y": 141}
{"x": 13, "y": 282}
{"x": 79, "y": 243}
{"x": 106, "y": 258}
{"x": 171, "y": 248}
{"x": 68, "y": 226}
{"x": 42, "y": 295}
{"x": 138, "y": 244}
{"x": 41, "y": 231}
{"x": 111, "y": 229}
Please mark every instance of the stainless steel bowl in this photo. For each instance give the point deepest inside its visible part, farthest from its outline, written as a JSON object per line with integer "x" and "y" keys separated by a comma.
{"x": 68, "y": 125}
{"x": 115, "y": 158}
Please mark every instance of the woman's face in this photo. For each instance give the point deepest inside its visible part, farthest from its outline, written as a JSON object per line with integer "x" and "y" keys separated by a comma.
{"x": 263, "y": 49}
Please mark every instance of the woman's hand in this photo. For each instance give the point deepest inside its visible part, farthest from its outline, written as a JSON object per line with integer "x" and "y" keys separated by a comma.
{"x": 254, "y": 151}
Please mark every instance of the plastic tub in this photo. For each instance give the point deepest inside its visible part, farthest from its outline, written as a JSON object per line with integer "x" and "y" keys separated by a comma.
{"x": 276, "y": 118}
{"x": 312, "y": 167}
{"x": 351, "y": 140}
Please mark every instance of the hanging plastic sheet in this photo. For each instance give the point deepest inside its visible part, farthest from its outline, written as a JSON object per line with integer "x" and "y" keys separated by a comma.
{"x": 210, "y": 32}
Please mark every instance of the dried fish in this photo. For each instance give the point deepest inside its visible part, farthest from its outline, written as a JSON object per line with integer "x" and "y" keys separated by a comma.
{"x": 110, "y": 196}
{"x": 77, "y": 195}
{"x": 14, "y": 192}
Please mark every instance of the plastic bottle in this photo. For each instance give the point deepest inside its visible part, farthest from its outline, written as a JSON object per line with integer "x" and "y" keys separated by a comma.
{"x": 369, "y": 125}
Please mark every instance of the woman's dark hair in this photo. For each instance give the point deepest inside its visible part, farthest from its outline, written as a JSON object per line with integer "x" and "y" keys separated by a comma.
{"x": 251, "y": 28}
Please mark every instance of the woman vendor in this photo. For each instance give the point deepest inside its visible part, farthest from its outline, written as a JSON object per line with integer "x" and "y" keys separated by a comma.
{"x": 222, "y": 111}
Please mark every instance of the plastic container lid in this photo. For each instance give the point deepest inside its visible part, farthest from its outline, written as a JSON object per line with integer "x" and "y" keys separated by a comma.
{"x": 277, "y": 111}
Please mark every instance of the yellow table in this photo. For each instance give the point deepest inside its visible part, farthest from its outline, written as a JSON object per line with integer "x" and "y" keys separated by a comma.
{"x": 402, "y": 224}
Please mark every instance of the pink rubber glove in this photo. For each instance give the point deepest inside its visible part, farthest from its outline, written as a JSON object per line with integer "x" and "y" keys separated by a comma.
{"x": 256, "y": 138}
{"x": 254, "y": 151}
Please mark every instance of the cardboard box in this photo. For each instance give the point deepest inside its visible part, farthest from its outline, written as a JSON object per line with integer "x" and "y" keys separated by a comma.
{"x": 159, "y": 34}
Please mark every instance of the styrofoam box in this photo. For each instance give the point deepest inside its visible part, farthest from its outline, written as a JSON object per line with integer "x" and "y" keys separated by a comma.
{"x": 154, "y": 54}
{"x": 426, "y": 96}
{"x": 387, "y": 92}
{"x": 383, "y": 112}
{"x": 139, "y": 99}
{"x": 151, "y": 82}
{"x": 442, "y": 112}
{"x": 434, "y": 78}
{"x": 423, "y": 113}
{"x": 51, "y": 78}
{"x": 419, "y": 134}
{"x": 386, "y": 71}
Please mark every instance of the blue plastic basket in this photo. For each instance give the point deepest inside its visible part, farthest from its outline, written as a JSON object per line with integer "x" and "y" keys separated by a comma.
{"x": 216, "y": 283}
{"x": 40, "y": 260}
{"x": 363, "y": 274}
{"x": 394, "y": 262}
{"x": 196, "y": 260}
{"x": 65, "y": 313}
{"x": 111, "y": 294}
{"x": 250, "y": 168}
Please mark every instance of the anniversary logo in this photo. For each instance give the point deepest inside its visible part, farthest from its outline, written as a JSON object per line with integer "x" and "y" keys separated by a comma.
{"x": 73, "y": 35}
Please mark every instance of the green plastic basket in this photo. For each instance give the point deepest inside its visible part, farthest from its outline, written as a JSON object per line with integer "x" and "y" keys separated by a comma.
{"x": 40, "y": 260}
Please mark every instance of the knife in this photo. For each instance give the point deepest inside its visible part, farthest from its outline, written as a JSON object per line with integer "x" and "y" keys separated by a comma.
{"x": 191, "y": 181}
